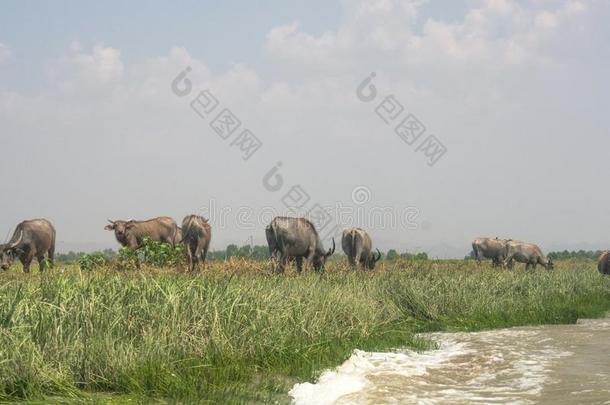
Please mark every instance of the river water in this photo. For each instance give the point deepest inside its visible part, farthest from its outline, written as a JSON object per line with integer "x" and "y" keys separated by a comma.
{"x": 557, "y": 364}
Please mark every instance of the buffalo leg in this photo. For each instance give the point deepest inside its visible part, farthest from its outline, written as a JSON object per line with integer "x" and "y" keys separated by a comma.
{"x": 282, "y": 264}
{"x": 273, "y": 261}
{"x": 27, "y": 261}
{"x": 277, "y": 262}
{"x": 310, "y": 256}
{"x": 199, "y": 252}
{"x": 299, "y": 261}
{"x": 477, "y": 256}
{"x": 189, "y": 258}
{"x": 51, "y": 254}
{"x": 193, "y": 258}
{"x": 41, "y": 263}
{"x": 203, "y": 256}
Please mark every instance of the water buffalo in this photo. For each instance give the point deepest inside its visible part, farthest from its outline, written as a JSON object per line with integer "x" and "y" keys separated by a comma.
{"x": 178, "y": 237}
{"x": 274, "y": 251}
{"x": 527, "y": 253}
{"x": 197, "y": 234}
{"x": 603, "y": 264}
{"x": 357, "y": 245}
{"x": 296, "y": 238}
{"x": 488, "y": 248}
{"x": 271, "y": 242}
{"x": 132, "y": 233}
{"x": 31, "y": 239}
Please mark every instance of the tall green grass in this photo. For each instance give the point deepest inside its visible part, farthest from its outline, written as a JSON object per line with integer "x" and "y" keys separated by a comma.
{"x": 235, "y": 333}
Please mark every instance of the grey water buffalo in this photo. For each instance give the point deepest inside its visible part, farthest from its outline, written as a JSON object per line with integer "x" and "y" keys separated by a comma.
{"x": 131, "y": 234}
{"x": 31, "y": 239}
{"x": 603, "y": 264}
{"x": 196, "y": 236}
{"x": 358, "y": 248}
{"x": 298, "y": 239}
{"x": 528, "y": 253}
{"x": 488, "y": 248}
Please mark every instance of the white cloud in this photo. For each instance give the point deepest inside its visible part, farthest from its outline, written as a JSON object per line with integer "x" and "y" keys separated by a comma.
{"x": 103, "y": 64}
{"x": 90, "y": 71}
{"x": 497, "y": 32}
{"x": 286, "y": 42}
{"x": 372, "y": 26}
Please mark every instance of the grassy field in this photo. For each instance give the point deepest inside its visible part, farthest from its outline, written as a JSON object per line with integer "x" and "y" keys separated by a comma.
{"x": 236, "y": 333}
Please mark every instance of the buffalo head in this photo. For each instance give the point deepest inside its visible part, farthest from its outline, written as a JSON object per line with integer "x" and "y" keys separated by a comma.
{"x": 121, "y": 230}
{"x": 320, "y": 257}
{"x": 8, "y": 251}
{"x": 372, "y": 260}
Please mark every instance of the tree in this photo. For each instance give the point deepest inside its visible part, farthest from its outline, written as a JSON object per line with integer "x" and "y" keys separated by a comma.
{"x": 260, "y": 252}
{"x": 244, "y": 251}
{"x": 392, "y": 254}
{"x": 232, "y": 251}
{"x": 421, "y": 256}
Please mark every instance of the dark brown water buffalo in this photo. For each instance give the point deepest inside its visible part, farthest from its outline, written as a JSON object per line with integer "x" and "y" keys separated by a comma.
{"x": 197, "y": 234}
{"x": 32, "y": 239}
{"x": 528, "y": 253}
{"x": 358, "y": 247}
{"x": 488, "y": 248}
{"x": 132, "y": 233}
{"x": 603, "y": 264}
{"x": 296, "y": 238}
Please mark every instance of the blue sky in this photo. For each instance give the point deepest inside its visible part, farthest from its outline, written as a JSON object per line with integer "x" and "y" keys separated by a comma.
{"x": 516, "y": 92}
{"x": 220, "y": 32}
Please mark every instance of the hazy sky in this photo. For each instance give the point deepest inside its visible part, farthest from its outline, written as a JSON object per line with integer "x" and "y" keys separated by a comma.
{"x": 91, "y": 128}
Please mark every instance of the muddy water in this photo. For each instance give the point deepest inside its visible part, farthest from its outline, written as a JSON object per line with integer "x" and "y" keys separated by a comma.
{"x": 565, "y": 364}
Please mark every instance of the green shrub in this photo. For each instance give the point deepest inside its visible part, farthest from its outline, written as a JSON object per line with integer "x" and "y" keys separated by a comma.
{"x": 127, "y": 259}
{"x": 161, "y": 254}
{"x": 92, "y": 261}
{"x": 153, "y": 253}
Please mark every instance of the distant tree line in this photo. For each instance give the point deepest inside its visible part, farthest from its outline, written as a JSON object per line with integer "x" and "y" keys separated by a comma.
{"x": 394, "y": 255}
{"x": 256, "y": 252}
{"x": 579, "y": 255}
{"x": 253, "y": 252}
{"x": 72, "y": 257}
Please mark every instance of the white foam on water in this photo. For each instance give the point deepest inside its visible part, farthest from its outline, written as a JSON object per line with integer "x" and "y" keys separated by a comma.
{"x": 508, "y": 366}
{"x": 353, "y": 375}
{"x": 345, "y": 379}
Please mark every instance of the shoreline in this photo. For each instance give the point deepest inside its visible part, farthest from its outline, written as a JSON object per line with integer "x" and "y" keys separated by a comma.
{"x": 236, "y": 334}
